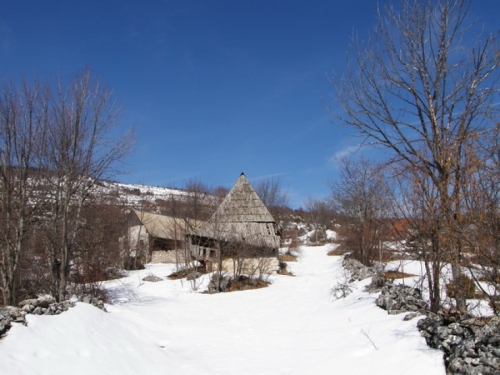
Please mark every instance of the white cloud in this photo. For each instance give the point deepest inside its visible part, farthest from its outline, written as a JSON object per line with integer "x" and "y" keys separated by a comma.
{"x": 347, "y": 151}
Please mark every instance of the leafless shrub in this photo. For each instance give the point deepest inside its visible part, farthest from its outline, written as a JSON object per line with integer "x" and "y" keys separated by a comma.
{"x": 343, "y": 286}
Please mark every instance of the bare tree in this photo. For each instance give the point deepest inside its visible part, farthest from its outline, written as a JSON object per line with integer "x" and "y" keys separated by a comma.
{"x": 480, "y": 230}
{"x": 320, "y": 214}
{"x": 23, "y": 126}
{"x": 200, "y": 203}
{"x": 361, "y": 198}
{"x": 420, "y": 88}
{"x": 274, "y": 197}
{"x": 97, "y": 248}
{"x": 418, "y": 207}
{"x": 55, "y": 143}
{"x": 81, "y": 149}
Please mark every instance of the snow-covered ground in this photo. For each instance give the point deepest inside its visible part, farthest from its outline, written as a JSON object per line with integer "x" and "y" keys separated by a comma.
{"x": 291, "y": 327}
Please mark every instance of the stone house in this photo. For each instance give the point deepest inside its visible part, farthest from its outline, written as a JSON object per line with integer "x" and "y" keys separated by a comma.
{"x": 155, "y": 238}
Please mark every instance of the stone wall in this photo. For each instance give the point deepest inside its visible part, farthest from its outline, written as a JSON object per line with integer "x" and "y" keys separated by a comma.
{"x": 471, "y": 345}
{"x": 43, "y": 305}
{"x": 357, "y": 270}
{"x": 397, "y": 299}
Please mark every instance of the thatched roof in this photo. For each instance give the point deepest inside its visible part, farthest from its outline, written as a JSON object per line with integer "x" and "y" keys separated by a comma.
{"x": 242, "y": 217}
{"x": 162, "y": 226}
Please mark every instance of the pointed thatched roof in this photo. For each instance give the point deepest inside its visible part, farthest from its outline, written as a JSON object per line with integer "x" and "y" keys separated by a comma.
{"x": 242, "y": 204}
{"x": 242, "y": 217}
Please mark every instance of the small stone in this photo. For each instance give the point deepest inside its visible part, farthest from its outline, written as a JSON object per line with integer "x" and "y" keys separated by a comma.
{"x": 14, "y": 312}
{"x": 456, "y": 329}
{"x": 395, "y": 312}
{"x": 20, "y": 319}
{"x": 152, "y": 278}
{"x": 496, "y": 352}
{"x": 491, "y": 362}
{"x": 443, "y": 332}
{"x": 46, "y": 300}
{"x": 37, "y": 311}
{"x": 494, "y": 339}
{"x": 32, "y": 301}
{"x": 473, "y": 361}
{"x": 410, "y": 316}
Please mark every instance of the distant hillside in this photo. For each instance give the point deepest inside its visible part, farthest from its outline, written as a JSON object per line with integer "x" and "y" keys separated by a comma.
{"x": 135, "y": 195}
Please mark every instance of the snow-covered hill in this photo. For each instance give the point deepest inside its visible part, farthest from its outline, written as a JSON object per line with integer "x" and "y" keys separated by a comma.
{"x": 133, "y": 194}
{"x": 291, "y": 327}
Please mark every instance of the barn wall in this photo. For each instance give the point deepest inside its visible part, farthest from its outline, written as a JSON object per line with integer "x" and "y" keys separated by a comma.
{"x": 138, "y": 239}
{"x": 168, "y": 256}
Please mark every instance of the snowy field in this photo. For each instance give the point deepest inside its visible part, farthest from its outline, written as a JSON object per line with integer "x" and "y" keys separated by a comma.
{"x": 291, "y": 327}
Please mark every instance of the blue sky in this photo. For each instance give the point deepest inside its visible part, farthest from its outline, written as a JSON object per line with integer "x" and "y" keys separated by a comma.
{"x": 214, "y": 88}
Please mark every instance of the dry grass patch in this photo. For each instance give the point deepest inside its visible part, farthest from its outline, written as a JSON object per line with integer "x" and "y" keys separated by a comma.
{"x": 490, "y": 278}
{"x": 479, "y": 294}
{"x": 392, "y": 275}
{"x": 246, "y": 283}
{"x": 465, "y": 285}
{"x": 284, "y": 270}
{"x": 287, "y": 257}
{"x": 393, "y": 255}
{"x": 185, "y": 272}
{"x": 339, "y": 250}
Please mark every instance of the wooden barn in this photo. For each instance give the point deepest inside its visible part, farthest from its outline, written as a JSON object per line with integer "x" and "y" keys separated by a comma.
{"x": 240, "y": 233}
{"x": 157, "y": 238}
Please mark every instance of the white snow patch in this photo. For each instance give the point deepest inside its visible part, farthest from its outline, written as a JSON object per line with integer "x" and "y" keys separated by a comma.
{"x": 331, "y": 235}
{"x": 291, "y": 327}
